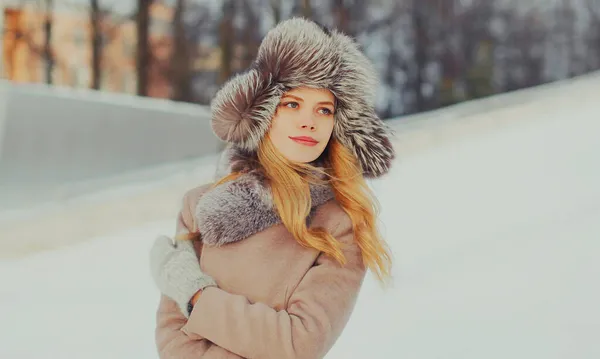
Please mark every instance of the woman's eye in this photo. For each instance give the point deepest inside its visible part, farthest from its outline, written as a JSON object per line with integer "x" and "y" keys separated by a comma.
{"x": 326, "y": 111}
{"x": 291, "y": 104}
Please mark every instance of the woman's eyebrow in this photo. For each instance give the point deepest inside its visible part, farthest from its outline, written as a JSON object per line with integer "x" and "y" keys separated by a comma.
{"x": 294, "y": 97}
{"x": 326, "y": 103}
{"x": 301, "y": 100}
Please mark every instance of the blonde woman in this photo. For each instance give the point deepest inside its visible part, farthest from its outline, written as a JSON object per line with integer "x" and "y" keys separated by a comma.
{"x": 268, "y": 260}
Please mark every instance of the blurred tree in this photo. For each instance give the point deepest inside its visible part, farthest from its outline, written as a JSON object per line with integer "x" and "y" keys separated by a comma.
{"x": 302, "y": 8}
{"x": 96, "y": 43}
{"x": 250, "y": 32}
{"x": 421, "y": 44}
{"x": 276, "y": 10}
{"x": 342, "y": 14}
{"x": 306, "y": 9}
{"x": 397, "y": 89}
{"x": 565, "y": 33}
{"x": 104, "y": 25}
{"x": 592, "y": 37}
{"x": 467, "y": 61}
{"x": 181, "y": 57}
{"x": 26, "y": 33}
{"x": 143, "y": 54}
{"x": 430, "y": 53}
{"x": 454, "y": 48}
{"x": 521, "y": 48}
{"x": 48, "y": 55}
{"x": 355, "y": 18}
{"x": 191, "y": 21}
{"x": 192, "y": 69}
{"x": 226, "y": 40}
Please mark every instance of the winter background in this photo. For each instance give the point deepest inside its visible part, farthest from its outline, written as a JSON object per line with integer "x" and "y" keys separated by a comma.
{"x": 492, "y": 208}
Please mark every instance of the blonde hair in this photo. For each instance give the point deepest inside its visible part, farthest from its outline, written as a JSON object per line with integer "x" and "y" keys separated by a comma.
{"x": 289, "y": 183}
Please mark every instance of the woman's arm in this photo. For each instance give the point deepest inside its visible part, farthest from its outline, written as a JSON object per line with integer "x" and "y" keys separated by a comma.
{"x": 171, "y": 342}
{"x": 317, "y": 312}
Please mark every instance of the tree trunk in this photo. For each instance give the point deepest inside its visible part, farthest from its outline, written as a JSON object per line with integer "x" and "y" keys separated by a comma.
{"x": 226, "y": 40}
{"x": 48, "y": 56}
{"x": 421, "y": 44}
{"x": 593, "y": 42}
{"x": 250, "y": 35}
{"x": 276, "y": 8}
{"x": 95, "y": 24}
{"x": 342, "y": 16}
{"x": 180, "y": 66}
{"x": 306, "y": 9}
{"x": 143, "y": 46}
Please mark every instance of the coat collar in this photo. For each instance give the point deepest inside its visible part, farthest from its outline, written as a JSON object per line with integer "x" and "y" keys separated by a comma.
{"x": 240, "y": 208}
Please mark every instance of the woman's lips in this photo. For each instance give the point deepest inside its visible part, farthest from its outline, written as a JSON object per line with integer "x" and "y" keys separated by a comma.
{"x": 304, "y": 140}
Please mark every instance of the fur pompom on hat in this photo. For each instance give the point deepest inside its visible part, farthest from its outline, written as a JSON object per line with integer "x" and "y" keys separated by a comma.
{"x": 300, "y": 53}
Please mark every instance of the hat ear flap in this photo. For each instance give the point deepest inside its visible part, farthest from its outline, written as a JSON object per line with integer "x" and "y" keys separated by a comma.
{"x": 243, "y": 108}
{"x": 368, "y": 137}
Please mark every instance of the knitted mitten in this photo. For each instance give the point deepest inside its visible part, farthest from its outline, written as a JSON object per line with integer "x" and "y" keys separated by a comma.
{"x": 176, "y": 271}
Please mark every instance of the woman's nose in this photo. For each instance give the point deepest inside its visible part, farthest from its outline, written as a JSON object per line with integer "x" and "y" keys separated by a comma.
{"x": 308, "y": 122}
{"x": 310, "y": 127}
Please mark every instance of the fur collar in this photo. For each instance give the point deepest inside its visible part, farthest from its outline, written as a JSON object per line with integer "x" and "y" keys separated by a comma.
{"x": 238, "y": 209}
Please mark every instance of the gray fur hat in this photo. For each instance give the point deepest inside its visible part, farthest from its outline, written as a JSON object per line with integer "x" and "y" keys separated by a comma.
{"x": 295, "y": 53}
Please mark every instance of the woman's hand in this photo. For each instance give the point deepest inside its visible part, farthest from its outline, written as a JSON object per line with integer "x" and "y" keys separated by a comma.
{"x": 176, "y": 271}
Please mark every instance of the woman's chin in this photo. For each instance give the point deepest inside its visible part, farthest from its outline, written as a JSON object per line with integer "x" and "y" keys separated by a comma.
{"x": 302, "y": 157}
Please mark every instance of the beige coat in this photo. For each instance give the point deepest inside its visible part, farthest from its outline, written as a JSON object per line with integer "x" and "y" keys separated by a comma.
{"x": 276, "y": 299}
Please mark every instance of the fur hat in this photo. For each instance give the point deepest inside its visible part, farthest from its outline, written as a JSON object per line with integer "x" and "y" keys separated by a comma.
{"x": 295, "y": 53}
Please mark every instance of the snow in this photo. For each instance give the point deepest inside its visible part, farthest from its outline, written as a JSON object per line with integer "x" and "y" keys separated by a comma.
{"x": 495, "y": 237}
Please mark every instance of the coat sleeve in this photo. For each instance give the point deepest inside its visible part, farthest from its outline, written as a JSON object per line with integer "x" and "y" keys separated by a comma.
{"x": 316, "y": 314}
{"x": 171, "y": 342}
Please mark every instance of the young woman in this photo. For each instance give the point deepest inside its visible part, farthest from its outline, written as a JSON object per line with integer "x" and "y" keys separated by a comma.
{"x": 269, "y": 259}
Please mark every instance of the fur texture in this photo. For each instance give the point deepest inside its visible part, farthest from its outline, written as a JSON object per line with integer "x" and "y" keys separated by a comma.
{"x": 300, "y": 53}
{"x": 240, "y": 208}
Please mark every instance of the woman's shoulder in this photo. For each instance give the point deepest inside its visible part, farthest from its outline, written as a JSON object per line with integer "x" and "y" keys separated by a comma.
{"x": 193, "y": 195}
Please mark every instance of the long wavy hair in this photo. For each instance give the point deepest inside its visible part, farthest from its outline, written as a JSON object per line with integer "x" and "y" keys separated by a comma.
{"x": 289, "y": 182}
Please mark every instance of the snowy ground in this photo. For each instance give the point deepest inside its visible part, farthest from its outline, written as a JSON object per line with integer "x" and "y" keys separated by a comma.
{"x": 496, "y": 239}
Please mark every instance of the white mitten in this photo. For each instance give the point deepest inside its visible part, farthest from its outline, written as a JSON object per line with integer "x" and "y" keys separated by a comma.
{"x": 176, "y": 271}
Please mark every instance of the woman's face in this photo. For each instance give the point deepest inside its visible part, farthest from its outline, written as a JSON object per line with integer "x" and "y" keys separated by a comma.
{"x": 303, "y": 123}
